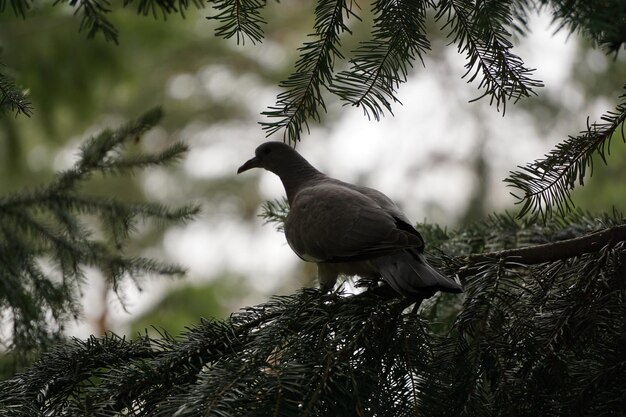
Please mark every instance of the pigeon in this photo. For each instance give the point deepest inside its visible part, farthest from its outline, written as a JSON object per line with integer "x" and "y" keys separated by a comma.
{"x": 349, "y": 229}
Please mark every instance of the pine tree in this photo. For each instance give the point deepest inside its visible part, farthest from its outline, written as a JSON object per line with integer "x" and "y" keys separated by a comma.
{"x": 47, "y": 237}
{"x": 540, "y": 329}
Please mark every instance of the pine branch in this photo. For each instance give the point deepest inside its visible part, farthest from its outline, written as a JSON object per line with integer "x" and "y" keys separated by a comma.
{"x": 219, "y": 362}
{"x": 11, "y": 97}
{"x": 521, "y": 325}
{"x": 94, "y": 13}
{"x": 100, "y": 152}
{"x": 50, "y": 223}
{"x": 93, "y": 17}
{"x": 550, "y": 252}
{"x": 518, "y": 333}
{"x": 480, "y": 31}
{"x": 547, "y": 182}
{"x": 19, "y": 7}
{"x": 75, "y": 364}
{"x": 603, "y": 22}
{"x": 382, "y": 64}
{"x": 275, "y": 211}
{"x": 240, "y": 18}
{"x": 521, "y": 11}
{"x": 165, "y": 7}
{"x": 182, "y": 361}
{"x": 302, "y": 97}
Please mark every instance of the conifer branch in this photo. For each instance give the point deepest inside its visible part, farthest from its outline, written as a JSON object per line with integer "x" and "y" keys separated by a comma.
{"x": 165, "y": 7}
{"x": 542, "y": 316}
{"x": 480, "y": 31}
{"x": 302, "y": 97}
{"x": 334, "y": 354}
{"x": 50, "y": 224}
{"x": 275, "y": 211}
{"x": 253, "y": 349}
{"x": 240, "y": 18}
{"x": 99, "y": 152}
{"x": 550, "y": 252}
{"x": 19, "y": 7}
{"x": 382, "y": 64}
{"x": 12, "y": 98}
{"x": 547, "y": 182}
{"x": 602, "y": 22}
{"x": 94, "y": 18}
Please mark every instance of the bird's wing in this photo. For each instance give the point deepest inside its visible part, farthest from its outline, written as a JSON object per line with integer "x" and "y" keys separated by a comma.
{"x": 381, "y": 199}
{"x": 329, "y": 222}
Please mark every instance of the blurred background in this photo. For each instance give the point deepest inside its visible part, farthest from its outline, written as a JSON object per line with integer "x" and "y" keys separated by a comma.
{"x": 441, "y": 158}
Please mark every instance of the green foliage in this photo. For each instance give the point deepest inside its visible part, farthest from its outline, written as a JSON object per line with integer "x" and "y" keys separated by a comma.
{"x": 605, "y": 189}
{"x": 380, "y": 65}
{"x": 302, "y": 97}
{"x": 547, "y": 183}
{"x": 94, "y": 18}
{"x": 239, "y": 18}
{"x": 550, "y": 333}
{"x": 95, "y": 13}
{"x": 165, "y": 7}
{"x": 12, "y": 98}
{"x": 603, "y": 22}
{"x": 542, "y": 314}
{"x": 47, "y": 236}
{"x": 101, "y": 82}
{"x": 537, "y": 330}
{"x": 19, "y": 6}
{"x": 275, "y": 211}
{"x": 480, "y": 31}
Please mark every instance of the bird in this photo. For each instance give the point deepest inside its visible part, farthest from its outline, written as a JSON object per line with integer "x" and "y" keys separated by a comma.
{"x": 348, "y": 229}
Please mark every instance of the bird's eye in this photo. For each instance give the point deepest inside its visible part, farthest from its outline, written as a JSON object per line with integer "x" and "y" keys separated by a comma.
{"x": 266, "y": 151}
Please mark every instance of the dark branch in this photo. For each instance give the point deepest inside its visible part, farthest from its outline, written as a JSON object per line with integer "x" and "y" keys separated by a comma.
{"x": 547, "y": 183}
{"x": 302, "y": 97}
{"x": 550, "y": 252}
{"x": 11, "y": 96}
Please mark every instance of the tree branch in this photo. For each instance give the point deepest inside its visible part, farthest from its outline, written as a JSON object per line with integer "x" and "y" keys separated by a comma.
{"x": 550, "y": 252}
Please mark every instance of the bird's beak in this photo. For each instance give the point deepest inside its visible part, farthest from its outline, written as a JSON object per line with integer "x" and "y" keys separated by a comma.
{"x": 251, "y": 163}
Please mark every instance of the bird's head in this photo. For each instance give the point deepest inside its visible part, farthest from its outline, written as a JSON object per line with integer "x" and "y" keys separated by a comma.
{"x": 272, "y": 156}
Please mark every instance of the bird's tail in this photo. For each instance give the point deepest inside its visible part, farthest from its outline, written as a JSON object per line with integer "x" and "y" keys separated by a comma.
{"x": 408, "y": 273}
